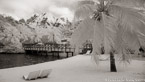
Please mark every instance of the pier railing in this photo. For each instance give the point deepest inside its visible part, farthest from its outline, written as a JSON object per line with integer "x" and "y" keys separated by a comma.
{"x": 85, "y": 48}
{"x": 49, "y": 48}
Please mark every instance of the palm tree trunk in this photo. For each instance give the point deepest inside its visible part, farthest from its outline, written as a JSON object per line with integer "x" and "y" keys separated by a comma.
{"x": 112, "y": 63}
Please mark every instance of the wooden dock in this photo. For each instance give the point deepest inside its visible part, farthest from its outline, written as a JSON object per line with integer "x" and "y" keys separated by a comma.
{"x": 85, "y": 48}
{"x": 55, "y": 49}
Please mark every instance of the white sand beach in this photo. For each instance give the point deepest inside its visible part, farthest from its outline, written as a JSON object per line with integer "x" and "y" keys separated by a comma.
{"x": 79, "y": 68}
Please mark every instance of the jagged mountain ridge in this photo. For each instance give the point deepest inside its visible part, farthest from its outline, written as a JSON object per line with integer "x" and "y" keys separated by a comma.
{"x": 47, "y": 19}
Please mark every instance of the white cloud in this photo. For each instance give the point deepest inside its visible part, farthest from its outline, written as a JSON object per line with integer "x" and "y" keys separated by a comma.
{"x": 26, "y": 8}
{"x": 61, "y": 11}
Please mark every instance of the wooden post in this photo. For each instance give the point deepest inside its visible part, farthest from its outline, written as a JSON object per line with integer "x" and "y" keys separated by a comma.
{"x": 46, "y": 53}
{"x": 72, "y": 53}
{"x": 58, "y": 55}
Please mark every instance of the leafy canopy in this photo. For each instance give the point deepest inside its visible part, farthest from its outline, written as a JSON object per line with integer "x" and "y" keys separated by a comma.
{"x": 118, "y": 25}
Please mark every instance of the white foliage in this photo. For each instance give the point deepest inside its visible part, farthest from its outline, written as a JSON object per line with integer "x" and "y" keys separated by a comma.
{"x": 83, "y": 32}
{"x": 84, "y": 11}
{"x": 129, "y": 3}
{"x": 121, "y": 26}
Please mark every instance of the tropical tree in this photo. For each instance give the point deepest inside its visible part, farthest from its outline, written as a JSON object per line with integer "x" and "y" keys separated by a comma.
{"x": 118, "y": 25}
{"x": 22, "y": 21}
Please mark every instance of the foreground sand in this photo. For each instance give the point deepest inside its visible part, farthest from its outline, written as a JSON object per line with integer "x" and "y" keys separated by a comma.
{"x": 79, "y": 68}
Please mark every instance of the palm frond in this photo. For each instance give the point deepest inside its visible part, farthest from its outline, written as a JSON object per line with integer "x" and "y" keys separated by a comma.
{"x": 104, "y": 34}
{"x": 125, "y": 40}
{"x": 109, "y": 32}
{"x": 83, "y": 32}
{"x": 98, "y": 37}
{"x": 129, "y": 3}
{"x": 95, "y": 58}
{"x": 125, "y": 58}
{"x": 84, "y": 2}
{"x": 84, "y": 11}
{"x": 131, "y": 19}
{"x": 142, "y": 39}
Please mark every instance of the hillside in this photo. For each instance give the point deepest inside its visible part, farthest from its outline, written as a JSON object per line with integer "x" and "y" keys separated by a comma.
{"x": 44, "y": 28}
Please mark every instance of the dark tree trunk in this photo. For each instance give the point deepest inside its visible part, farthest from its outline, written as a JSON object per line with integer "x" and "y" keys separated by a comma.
{"x": 112, "y": 63}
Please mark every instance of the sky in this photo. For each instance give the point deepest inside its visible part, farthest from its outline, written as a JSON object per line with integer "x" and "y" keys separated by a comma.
{"x": 26, "y": 8}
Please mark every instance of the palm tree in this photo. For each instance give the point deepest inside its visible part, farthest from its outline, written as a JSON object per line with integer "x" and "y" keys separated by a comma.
{"x": 117, "y": 24}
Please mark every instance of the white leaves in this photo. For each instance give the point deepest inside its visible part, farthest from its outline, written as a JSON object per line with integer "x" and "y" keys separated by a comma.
{"x": 109, "y": 32}
{"x": 98, "y": 37}
{"x": 95, "y": 58}
{"x": 142, "y": 40}
{"x": 129, "y": 3}
{"x": 83, "y": 32}
{"x": 104, "y": 34}
{"x": 126, "y": 40}
{"x": 84, "y": 2}
{"x": 122, "y": 28}
{"x": 84, "y": 11}
{"x": 125, "y": 58}
{"x": 130, "y": 26}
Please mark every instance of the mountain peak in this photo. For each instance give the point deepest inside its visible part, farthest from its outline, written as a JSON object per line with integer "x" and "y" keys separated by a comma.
{"x": 48, "y": 19}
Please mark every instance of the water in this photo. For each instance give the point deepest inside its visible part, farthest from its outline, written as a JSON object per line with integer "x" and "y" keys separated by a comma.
{"x": 17, "y": 60}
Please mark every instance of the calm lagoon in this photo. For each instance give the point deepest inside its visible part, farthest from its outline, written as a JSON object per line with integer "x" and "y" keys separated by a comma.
{"x": 17, "y": 60}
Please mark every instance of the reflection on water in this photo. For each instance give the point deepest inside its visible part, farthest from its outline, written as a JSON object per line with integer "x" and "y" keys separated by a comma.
{"x": 17, "y": 60}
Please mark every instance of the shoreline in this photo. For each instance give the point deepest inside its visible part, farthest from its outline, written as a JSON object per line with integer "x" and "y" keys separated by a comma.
{"x": 2, "y": 52}
{"x": 78, "y": 68}
{"x": 18, "y": 60}
{"x": 12, "y": 53}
